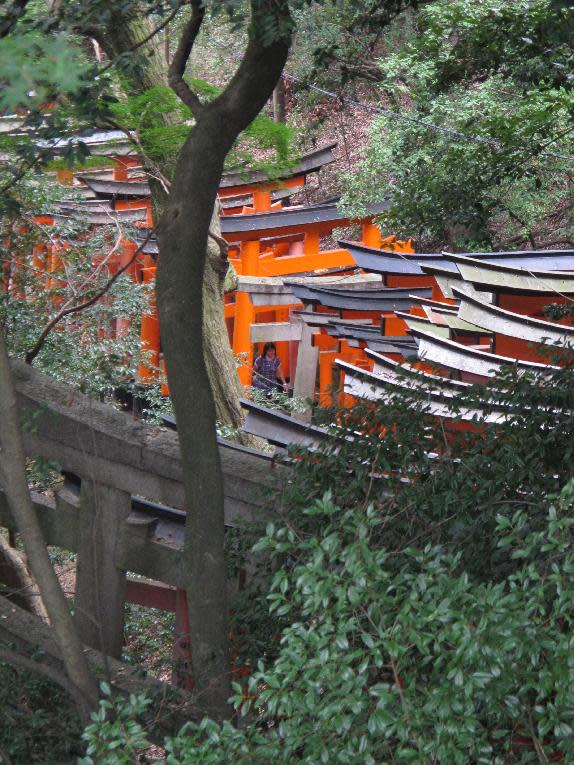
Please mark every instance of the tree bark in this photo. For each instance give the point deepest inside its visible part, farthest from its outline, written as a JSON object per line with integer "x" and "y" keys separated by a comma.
{"x": 14, "y": 575}
{"x": 14, "y": 483}
{"x": 183, "y": 234}
{"x": 279, "y": 109}
{"x": 219, "y": 357}
{"x": 122, "y": 35}
{"x": 183, "y": 238}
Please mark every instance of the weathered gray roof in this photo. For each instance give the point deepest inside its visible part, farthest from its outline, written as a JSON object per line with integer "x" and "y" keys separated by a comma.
{"x": 309, "y": 163}
{"x": 291, "y": 216}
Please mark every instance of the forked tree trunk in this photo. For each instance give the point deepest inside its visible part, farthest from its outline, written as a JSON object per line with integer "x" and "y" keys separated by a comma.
{"x": 189, "y": 290}
{"x": 14, "y": 483}
{"x": 121, "y": 36}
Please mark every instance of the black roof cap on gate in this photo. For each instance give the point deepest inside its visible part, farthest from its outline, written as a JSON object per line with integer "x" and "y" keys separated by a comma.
{"x": 291, "y": 216}
{"x": 308, "y": 163}
{"x": 128, "y": 189}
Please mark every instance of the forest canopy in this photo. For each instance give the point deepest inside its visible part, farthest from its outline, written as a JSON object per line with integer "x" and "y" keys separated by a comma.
{"x": 475, "y": 143}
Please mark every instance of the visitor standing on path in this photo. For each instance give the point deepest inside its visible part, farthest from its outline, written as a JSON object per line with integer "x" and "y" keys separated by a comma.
{"x": 267, "y": 375}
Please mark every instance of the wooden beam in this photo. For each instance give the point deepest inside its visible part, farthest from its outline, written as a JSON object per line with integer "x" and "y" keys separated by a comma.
{"x": 145, "y": 546}
{"x": 92, "y": 439}
{"x": 292, "y": 264}
{"x": 276, "y": 331}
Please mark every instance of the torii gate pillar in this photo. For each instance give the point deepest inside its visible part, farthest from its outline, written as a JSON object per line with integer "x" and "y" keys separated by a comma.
{"x": 245, "y": 313}
{"x": 372, "y": 236}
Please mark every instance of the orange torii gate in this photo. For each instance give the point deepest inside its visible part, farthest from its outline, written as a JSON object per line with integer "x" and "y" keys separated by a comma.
{"x": 264, "y": 239}
{"x": 124, "y": 190}
{"x": 340, "y": 315}
{"x": 303, "y": 337}
{"x": 258, "y": 185}
{"x": 315, "y": 222}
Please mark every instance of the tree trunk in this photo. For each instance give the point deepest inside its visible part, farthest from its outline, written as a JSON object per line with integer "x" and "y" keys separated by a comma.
{"x": 183, "y": 237}
{"x": 14, "y": 575}
{"x": 219, "y": 358}
{"x": 14, "y": 483}
{"x": 279, "y": 110}
{"x": 122, "y": 36}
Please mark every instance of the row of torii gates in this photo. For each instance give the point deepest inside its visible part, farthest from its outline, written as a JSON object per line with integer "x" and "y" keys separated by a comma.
{"x": 271, "y": 246}
{"x": 333, "y": 313}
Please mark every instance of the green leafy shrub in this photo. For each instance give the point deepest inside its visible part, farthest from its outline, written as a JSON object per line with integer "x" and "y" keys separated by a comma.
{"x": 114, "y": 737}
{"x": 420, "y": 601}
{"x": 30, "y": 732}
{"x": 475, "y": 148}
{"x": 398, "y": 657}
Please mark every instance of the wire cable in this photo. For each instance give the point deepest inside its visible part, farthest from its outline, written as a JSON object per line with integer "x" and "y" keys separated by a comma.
{"x": 413, "y": 120}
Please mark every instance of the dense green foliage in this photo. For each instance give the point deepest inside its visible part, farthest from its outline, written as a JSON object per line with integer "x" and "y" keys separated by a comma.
{"x": 33, "y": 299}
{"x": 30, "y": 731}
{"x": 264, "y": 145}
{"x": 400, "y": 658}
{"x": 423, "y": 592}
{"x": 476, "y": 148}
{"x": 34, "y": 67}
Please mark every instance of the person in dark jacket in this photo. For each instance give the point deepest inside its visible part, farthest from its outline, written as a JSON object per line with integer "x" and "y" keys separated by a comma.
{"x": 267, "y": 375}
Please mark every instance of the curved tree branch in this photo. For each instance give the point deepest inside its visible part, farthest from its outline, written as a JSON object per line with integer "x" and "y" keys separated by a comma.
{"x": 260, "y": 68}
{"x": 19, "y": 660}
{"x": 177, "y": 67}
{"x": 14, "y": 483}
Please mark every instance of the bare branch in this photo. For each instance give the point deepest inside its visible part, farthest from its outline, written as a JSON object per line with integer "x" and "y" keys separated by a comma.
{"x": 177, "y": 67}
{"x": 149, "y": 163}
{"x": 33, "y": 352}
{"x": 20, "y": 585}
{"x": 541, "y": 754}
{"x": 19, "y": 174}
{"x": 365, "y": 70}
{"x": 554, "y": 242}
